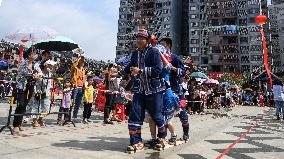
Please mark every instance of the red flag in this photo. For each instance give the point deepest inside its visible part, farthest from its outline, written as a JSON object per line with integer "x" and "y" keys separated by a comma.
{"x": 265, "y": 56}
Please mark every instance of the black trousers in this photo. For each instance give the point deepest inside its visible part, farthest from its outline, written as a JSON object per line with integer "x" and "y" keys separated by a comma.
{"x": 109, "y": 106}
{"x": 87, "y": 110}
{"x": 128, "y": 108}
{"x": 23, "y": 98}
{"x": 63, "y": 110}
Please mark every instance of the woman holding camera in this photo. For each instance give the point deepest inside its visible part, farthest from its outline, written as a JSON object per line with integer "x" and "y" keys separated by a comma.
{"x": 25, "y": 81}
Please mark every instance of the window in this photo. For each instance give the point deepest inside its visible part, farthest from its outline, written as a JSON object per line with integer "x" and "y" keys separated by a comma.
{"x": 194, "y": 24}
{"x": 193, "y": 16}
{"x": 166, "y": 19}
{"x": 242, "y": 22}
{"x": 194, "y": 41}
{"x": 159, "y": 5}
{"x": 252, "y": 19}
{"x": 193, "y": 8}
{"x": 167, "y": 3}
{"x": 167, "y": 26}
{"x": 193, "y": 49}
{"x": 205, "y": 61}
{"x": 194, "y": 32}
{"x": 166, "y": 11}
{"x": 254, "y": 10}
{"x": 122, "y": 16}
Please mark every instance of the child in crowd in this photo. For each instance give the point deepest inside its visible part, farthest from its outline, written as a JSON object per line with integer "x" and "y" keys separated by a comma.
{"x": 66, "y": 102}
{"x": 88, "y": 100}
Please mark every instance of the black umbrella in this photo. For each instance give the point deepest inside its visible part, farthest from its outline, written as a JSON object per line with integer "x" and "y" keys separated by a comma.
{"x": 60, "y": 43}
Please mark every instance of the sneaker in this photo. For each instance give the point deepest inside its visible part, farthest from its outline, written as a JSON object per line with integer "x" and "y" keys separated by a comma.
{"x": 26, "y": 120}
{"x": 160, "y": 144}
{"x": 173, "y": 140}
{"x": 85, "y": 121}
{"x": 151, "y": 143}
{"x": 88, "y": 120}
{"x": 185, "y": 138}
{"x": 41, "y": 123}
{"x": 59, "y": 122}
{"x": 136, "y": 147}
{"x": 35, "y": 124}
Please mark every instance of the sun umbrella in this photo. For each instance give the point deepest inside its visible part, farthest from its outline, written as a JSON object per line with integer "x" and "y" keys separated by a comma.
{"x": 98, "y": 79}
{"x": 60, "y": 43}
{"x": 32, "y": 33}
{"x": 199, "y": 75}
{"x": 4, "y": 64}
{"x": 211, "y": 81}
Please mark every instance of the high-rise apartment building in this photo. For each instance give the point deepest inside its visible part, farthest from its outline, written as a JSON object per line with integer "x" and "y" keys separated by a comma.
{"x": 162, "y": 17}
{"x": 277, "y": 1}
{"x": 276, "y": 21}
{"x": 224, "y": 37}
{"x": 220, "y": 35}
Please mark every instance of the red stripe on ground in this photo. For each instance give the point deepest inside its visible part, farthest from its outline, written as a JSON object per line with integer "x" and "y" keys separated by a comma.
{"x": 229, "y": 148}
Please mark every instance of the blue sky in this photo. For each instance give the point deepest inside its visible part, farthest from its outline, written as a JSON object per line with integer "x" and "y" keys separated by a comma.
{"x": 91, "y": 23}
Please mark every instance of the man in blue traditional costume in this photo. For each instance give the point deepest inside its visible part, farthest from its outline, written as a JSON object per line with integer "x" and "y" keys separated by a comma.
{"x": 146, "y": 70}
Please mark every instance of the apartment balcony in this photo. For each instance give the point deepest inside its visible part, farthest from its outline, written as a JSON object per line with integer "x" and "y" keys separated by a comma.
{"x": 223, "y": 53}
{"x": 223, "y": 17}
{"x": 226, "y": 30}
{"x": 218, "y": 0}
{"x": 226, "y": 14}
{"x": 231, "y": 44}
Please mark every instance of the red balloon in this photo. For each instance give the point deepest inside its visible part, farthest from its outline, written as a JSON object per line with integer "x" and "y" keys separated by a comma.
{"x": 261, "y": 19}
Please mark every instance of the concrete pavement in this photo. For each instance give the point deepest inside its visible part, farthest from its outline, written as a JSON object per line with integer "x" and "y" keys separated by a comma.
{"x": 261, "y": 137}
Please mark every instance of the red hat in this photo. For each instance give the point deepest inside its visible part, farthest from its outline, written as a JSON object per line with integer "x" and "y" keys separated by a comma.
{"x": 143, "y": 33}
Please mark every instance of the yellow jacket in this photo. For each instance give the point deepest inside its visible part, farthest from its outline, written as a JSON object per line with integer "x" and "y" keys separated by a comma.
{"x": 89, "y": 94}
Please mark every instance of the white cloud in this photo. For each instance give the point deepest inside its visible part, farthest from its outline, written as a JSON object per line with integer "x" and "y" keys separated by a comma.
{"x": 95, "y": 34}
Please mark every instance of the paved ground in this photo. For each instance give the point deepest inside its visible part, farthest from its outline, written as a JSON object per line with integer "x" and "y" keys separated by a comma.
{"x": 245, "y": 132}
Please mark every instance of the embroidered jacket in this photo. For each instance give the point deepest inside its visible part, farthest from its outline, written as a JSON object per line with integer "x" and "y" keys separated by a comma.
{"x": 150, "y": 81}
{"x": 175, "y": 76}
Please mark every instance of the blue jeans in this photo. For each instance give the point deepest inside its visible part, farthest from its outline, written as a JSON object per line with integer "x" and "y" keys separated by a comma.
{"x": 279, "y": 107}
{"x": 77, "y": 96}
